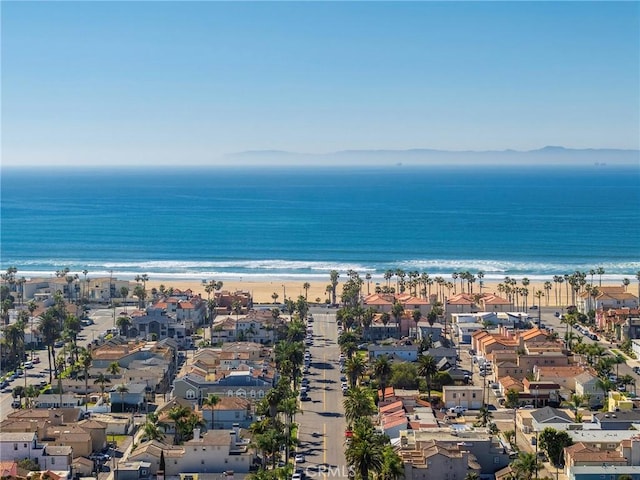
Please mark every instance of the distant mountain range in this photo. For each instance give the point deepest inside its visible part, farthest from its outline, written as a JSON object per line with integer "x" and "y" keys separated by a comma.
{"x": 549, "y": 155}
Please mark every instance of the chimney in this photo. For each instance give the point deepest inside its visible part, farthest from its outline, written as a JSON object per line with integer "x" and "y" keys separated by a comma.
{"x": 233, "y": 438}
{"x": 196, "y": 433}
{"x": 236, "y": 428}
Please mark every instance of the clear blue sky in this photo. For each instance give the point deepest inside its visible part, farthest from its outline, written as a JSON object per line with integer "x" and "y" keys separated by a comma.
{"x": 186, "y": 82}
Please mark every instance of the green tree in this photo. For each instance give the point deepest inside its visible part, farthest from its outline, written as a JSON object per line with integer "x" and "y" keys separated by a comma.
{"x": 50, "y": 331}
{"x": 365, "y": 452}
{"x": 392, "y": 466}
{"x": 397, "y": 310}
{"x": 101, "y": 380}
{"x": 122, "y": 389}
{"x": 85, "y": 361}
{"x": 553, "y": 443}
{"x": 484, "y": 417}
{"x": 382, "y": 372}
{"x": 427, "y": 368}
{"x": 359, "y": 402}
{"x": 123, "y": 323}
{"x": 526, "y": 466}
{"x": 333, "y": 278}
{"x": 211, "y": 401}
{"x": 355, "y": 368}
{"x": 512, "y": 400}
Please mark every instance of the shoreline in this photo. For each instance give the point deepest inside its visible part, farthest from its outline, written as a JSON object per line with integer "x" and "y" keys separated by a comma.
{"x": 263, "y": 291}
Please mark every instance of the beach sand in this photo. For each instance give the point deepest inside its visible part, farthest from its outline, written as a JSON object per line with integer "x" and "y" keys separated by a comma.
{"x": 262, "y": 291}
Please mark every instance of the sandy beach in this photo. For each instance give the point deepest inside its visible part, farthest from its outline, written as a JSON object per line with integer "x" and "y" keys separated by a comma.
{"x": 262, "y": 291}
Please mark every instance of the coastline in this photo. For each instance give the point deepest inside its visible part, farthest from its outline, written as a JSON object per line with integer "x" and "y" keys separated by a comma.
{"x": 262, "y": 291}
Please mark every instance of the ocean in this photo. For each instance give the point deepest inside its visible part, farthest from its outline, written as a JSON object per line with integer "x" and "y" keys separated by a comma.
{"x": 301, "y": 223}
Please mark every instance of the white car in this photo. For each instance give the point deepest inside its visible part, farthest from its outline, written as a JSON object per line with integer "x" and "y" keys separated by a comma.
{"x": 299, "y": 458}
{"x": 296, "y": 476}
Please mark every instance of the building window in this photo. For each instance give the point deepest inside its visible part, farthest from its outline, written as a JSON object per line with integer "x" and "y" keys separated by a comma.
{"x": 454, "y": 395}
{"x": 15, "y": 446}
{"x": 191, "y": 394}
{"x": 53, "y": 461}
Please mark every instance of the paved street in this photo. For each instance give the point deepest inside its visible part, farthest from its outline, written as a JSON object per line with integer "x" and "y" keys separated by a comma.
{"x": 103, "y": 318}
{"x": 324, "y": 413}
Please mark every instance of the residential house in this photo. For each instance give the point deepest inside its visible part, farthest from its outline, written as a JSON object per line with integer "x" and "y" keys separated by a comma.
{"x": 229, "y": 412}
{"x": 8, "y": 469}
{"x": 70, "y": 435}
{"x": 156, "y": 323}
{"x": 621, "y": 323}
{"x": 214, "y": 452}
{"x": 580, "y": 454}
{"x": 550, "y": 417}
{"x": 133, "y": 398}
{"x": 428, "y": 331}
{"x": 17, "y": 446}
{"x": 616, "y": 420}
{"x": 250, "y": 384}
{"x": 433, "y": 459}
{"x": 83, "y": 467}
{"x": 257, "y": 326}
{"x": 393, "y": 418}
{"x": 225, "y": 301}
{"x": 407, "y": 353}
{"x": 136, "y": 470}
{"x": 618, "y": 402}
{"x": 564, "y": 375}
{"x": 586, "y": 385}
{"x": 489, "y": 453}
{"x": 601, "y": 439}
{"x": 592, "y": 472}
{"x": 466, "y": 396}
{"x": 543, "y": 393}
{"x": 607, "y": 297}
{"x": 52, "y": 400}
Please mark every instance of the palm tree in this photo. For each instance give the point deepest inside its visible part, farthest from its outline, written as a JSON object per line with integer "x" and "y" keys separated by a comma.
{"x": 397, "y": 310}
{"x": 178, "y": 414}
{"x": 113, "y": 368}
{"x": 358, "y": 403}
{"x": 512, "y": 400}
{"x": 484, "y": 416}
{"x": 365, "y": 453}
{"x": 427, "y": 368}
{"x": 355, "y": 368}
{"x": 306, "y": 286}
{"x": 140, "y": 293}
{"x": 526, "y": 465}
{"x": 124, "y": 293}
{"x": 382, "y": 371}
{"x": 152, "y": 431}
{"x": 50, "y": 331}
{"x": 392, "y": 466}
{"x": 85, "y": 361}
{"x": 211, "y": 401}
{"x": 123, "y": 323}
{"x": 416, "y": 315}
{"x": 122, "y": 389}
{"x": 101, "y": 380}
{"x": 333, "y": 277}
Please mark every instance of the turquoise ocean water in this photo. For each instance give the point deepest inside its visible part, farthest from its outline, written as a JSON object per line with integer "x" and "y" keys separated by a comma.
{"x": 301, "y": 223}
